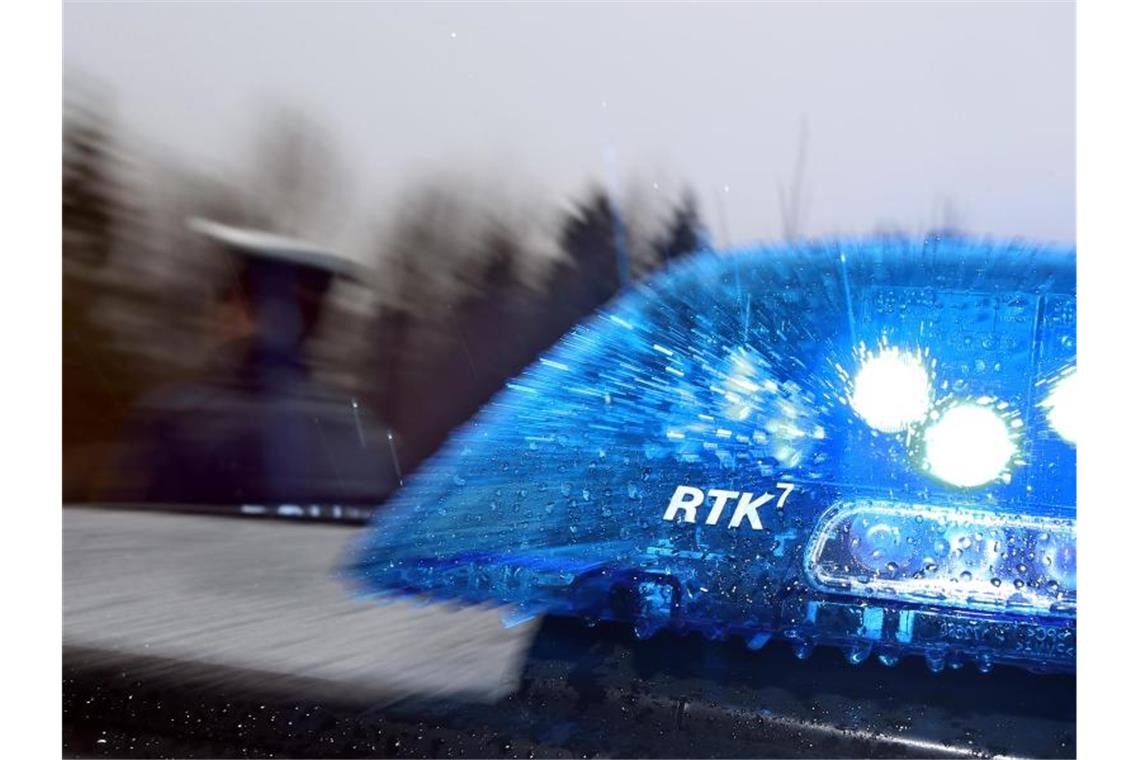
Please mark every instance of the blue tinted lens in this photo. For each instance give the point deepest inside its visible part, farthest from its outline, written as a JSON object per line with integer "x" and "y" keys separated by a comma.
{"x": 683, "y": 458}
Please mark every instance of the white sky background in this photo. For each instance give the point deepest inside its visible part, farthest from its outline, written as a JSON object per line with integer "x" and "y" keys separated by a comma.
{"x": 910, "y": 106}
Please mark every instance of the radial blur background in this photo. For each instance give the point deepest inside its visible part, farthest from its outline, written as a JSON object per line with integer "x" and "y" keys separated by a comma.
{"x": 496, "y": 166}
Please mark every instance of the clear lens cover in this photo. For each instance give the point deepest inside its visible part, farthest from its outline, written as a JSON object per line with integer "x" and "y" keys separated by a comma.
{"x": 947, "y": 556}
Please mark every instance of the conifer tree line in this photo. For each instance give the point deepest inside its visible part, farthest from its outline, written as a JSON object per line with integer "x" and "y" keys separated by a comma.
{"x": 468, "y": 288}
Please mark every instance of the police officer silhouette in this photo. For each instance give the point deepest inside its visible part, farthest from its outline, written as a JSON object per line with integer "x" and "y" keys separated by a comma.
{"x": 257, "y": 428}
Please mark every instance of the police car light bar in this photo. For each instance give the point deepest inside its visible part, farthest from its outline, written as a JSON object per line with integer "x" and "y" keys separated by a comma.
{"x": 863, "y": 444}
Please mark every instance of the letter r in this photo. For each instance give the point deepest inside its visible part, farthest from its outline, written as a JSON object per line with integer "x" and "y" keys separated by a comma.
{"x": 686, "y": 498}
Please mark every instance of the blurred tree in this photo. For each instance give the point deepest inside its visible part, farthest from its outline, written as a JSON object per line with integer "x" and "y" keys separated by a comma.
{"x": 459, "y": 318}
{"x": 428, "y": 251}
{"x": 392, "y": 326}
{"x": 485, "y": 340}
{"x": 792, "y": 201}
{"x": 88, "y": 187}
{"x": 496, "y": 342}
{"x": 591, "y": 269}
{"x": 685, "y": 232}
{"x": 296, "y": 179}
{"x": 949, "y": 221}
{"x": 95, "y": 376}
{"x": 451, "y": 328}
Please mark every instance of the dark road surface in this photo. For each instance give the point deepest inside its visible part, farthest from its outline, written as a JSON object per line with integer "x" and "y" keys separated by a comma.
{"x": 194, "y": 636}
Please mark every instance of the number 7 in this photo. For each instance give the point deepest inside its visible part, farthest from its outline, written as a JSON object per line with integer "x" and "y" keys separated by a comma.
{"x": 787, "y": 489}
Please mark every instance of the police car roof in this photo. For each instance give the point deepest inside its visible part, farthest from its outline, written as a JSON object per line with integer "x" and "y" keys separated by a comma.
{"x": 267, "y": 245}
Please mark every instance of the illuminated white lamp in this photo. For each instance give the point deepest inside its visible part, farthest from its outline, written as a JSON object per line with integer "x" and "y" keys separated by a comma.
{"x": 1061, "y": 407}
{"x": 891, "y": 390}
{"x": 969, "y": 444}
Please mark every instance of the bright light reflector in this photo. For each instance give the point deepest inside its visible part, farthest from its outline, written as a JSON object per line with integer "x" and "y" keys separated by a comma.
{"x": 947, "y": 556}
{"x": 891, "y": 390}
{"x": 1061, "y": 407}
{"x": 968, "y": 444}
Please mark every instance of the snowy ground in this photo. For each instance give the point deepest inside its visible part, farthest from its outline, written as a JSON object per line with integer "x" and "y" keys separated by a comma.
{"x": 259, "y": 597}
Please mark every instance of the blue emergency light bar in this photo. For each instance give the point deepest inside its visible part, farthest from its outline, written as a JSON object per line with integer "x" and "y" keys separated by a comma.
{"x": 866, "y": 444}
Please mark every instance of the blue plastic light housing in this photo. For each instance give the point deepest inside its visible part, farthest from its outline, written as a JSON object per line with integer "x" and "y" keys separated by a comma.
{"x": 865, "y": 444}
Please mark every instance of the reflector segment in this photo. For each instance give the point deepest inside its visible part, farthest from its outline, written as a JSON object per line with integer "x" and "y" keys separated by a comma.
{"x": 947, "y": 556}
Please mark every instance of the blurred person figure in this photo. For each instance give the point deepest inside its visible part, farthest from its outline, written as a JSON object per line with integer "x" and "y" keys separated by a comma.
{"x": 257, "y": 428}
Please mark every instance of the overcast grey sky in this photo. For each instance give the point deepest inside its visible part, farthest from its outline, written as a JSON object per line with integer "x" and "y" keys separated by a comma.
{"x": 909, "y": 105}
